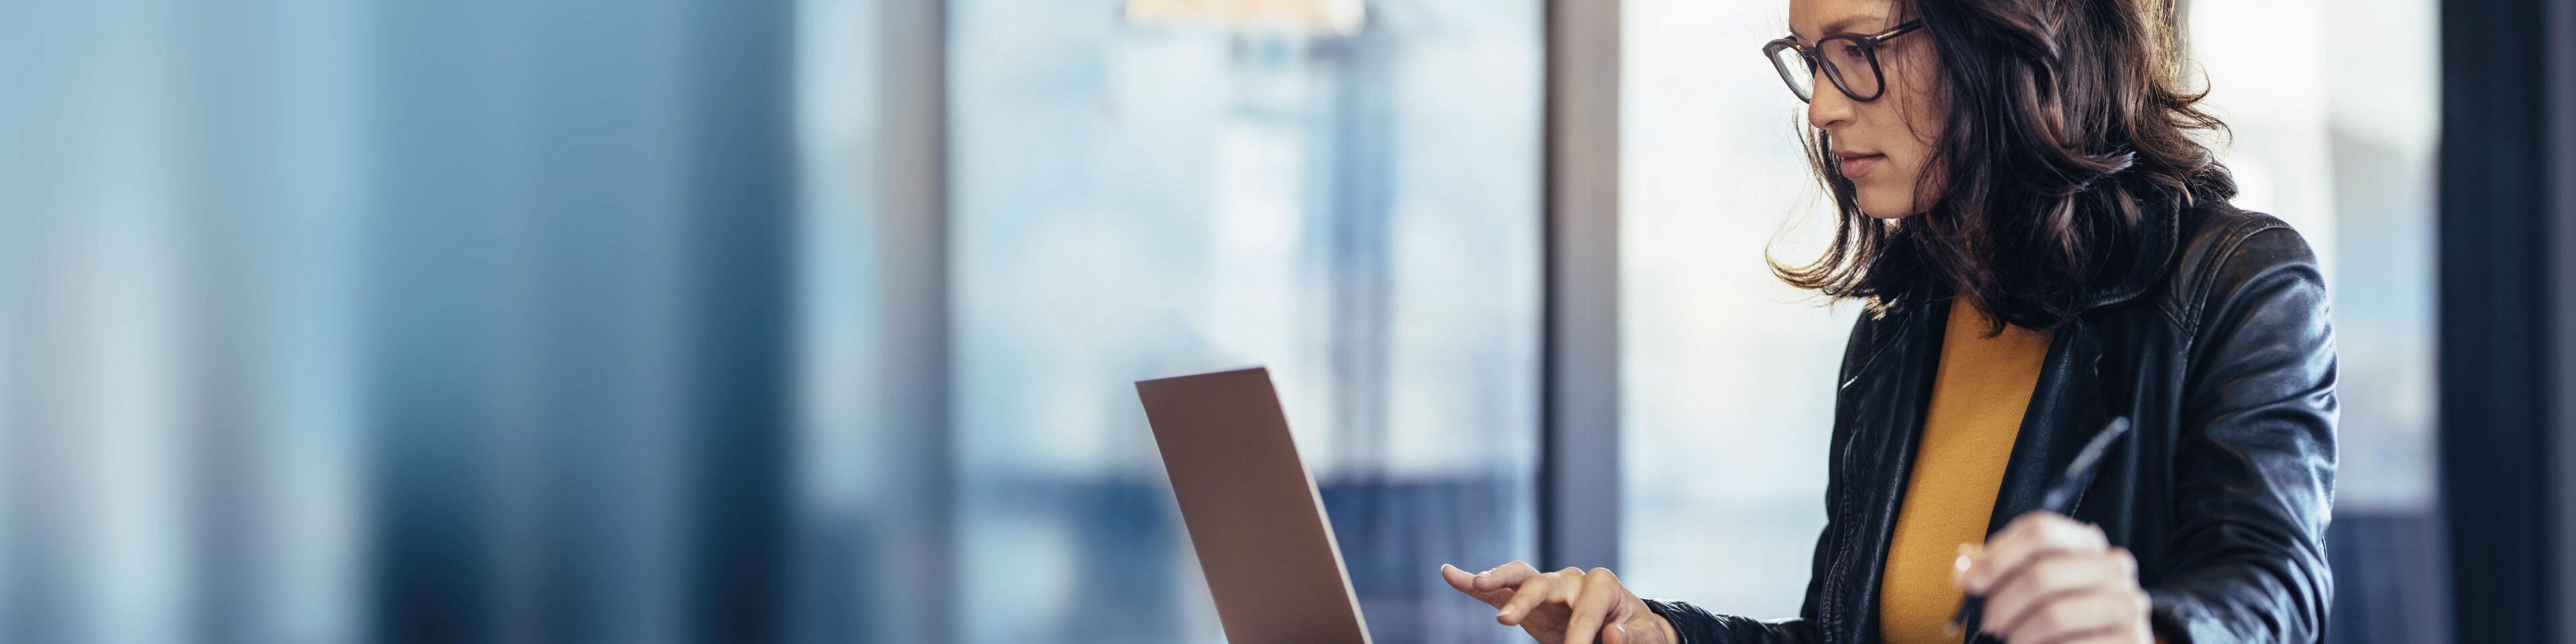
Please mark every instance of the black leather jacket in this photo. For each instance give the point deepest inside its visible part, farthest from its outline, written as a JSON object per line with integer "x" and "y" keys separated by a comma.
{"x": 2216, "y": 343}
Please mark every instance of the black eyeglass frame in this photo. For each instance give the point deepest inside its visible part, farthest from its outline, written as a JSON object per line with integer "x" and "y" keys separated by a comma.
{"x": 1868, "y": 50}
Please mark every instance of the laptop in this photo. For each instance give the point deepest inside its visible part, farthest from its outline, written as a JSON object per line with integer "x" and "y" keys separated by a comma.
{"x": 1251, "y": 509}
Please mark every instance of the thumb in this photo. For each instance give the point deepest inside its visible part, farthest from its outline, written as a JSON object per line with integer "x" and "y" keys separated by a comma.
{"x": 1616, "y": 634}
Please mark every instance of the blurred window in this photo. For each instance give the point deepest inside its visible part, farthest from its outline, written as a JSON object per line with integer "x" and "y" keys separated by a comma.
{"x": 2335, "y": 107}
{"x": 1161, "y": 188}
{"x": 1727, "y": 374}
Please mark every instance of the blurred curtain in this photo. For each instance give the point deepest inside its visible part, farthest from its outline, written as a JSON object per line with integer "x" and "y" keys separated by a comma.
{"x": 178, "y": 445}
{"x": 578, "y": 276}
{"x": 335, "y": 321}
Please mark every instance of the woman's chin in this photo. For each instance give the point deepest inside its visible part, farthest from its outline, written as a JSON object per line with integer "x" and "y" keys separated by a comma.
{"x": 1885, "y": 210}
{"x": 1881, "y": 200}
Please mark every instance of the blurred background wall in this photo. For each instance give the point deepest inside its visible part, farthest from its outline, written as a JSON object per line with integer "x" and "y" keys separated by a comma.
{"x": 814, "y": 320}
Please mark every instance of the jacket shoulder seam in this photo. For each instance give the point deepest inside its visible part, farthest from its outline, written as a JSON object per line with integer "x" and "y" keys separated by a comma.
{"x": 2197, "y": 299}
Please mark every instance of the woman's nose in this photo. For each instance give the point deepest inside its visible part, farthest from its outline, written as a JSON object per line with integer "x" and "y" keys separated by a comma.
{"x": 1830, "y": 109}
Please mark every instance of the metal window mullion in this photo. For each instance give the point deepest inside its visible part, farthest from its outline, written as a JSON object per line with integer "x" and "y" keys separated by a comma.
{"x": 912, "y": 384}
{"x": 1579, "y": 455}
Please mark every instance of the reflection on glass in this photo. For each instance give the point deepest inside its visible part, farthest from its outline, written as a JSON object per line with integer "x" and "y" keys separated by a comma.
{"x": 1149, "y": 192}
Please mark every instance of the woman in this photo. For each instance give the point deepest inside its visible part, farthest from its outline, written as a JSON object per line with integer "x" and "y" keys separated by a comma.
{"x": 2043, "y": 245}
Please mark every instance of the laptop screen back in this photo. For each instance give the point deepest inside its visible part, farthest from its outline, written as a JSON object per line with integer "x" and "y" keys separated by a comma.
{"x": 1251, "y": 508}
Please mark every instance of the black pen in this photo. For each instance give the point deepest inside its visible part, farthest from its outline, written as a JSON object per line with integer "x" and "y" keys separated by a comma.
{"x": 2060, "y": 496}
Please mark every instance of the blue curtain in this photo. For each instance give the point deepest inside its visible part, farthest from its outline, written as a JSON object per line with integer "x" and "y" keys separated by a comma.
{"x": 445, "y": 322}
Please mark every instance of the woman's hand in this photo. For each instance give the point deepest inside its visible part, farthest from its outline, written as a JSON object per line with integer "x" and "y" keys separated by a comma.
{"x": 2048, "y": 579}
{"x": 1568, "y": 606}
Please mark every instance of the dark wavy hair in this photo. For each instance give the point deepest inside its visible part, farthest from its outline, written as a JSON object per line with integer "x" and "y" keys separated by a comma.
{"x": 2064, "y": 119}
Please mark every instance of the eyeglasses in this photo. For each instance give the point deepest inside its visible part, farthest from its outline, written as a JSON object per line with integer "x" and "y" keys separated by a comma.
{"x": 1841, "y": 56}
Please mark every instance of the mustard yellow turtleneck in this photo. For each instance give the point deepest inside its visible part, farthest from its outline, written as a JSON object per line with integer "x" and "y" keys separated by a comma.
{"x": 1977, "y": 400}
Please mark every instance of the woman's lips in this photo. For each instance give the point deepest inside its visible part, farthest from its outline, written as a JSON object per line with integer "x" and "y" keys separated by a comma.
{"x": 1857, "y": 166}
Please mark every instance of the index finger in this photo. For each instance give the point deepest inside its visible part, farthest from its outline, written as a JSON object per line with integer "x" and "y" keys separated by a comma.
{"x": 2025, "y": 540}
{"x": 1505, "y": 576}
{"x": 1465, "y": 582}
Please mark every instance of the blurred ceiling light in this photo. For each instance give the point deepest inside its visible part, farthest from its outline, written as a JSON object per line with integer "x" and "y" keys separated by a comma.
{"x": 1307, "y": 17}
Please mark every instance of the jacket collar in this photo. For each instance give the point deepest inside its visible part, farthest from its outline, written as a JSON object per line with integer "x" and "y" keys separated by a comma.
{"x": 2159, "y": 233}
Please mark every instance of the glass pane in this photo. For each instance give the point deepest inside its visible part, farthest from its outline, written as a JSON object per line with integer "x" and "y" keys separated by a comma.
{"x": 1154, "y": 188}
{"x": 2338, "y": 139}
{"x": 1727, "y": 374}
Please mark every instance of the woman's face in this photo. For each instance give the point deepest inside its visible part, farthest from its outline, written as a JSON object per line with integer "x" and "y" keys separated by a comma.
{"x": 1883, "y": 146}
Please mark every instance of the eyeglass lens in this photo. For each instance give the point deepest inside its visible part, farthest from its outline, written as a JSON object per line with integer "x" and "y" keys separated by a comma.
{"x": 1793, "y": 68}
{"x": 1846, "y": 62}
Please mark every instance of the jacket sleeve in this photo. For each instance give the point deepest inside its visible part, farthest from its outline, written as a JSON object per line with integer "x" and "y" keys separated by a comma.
{"x": 2254, "y": 460}
{"x": 1697, "y": 626}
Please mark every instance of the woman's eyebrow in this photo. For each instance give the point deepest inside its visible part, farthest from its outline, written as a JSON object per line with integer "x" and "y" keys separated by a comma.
{"x": 1840, "y": 25}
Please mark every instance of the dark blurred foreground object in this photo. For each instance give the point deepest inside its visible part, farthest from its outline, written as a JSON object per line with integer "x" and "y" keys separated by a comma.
{"x": 2508, "y": 217}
